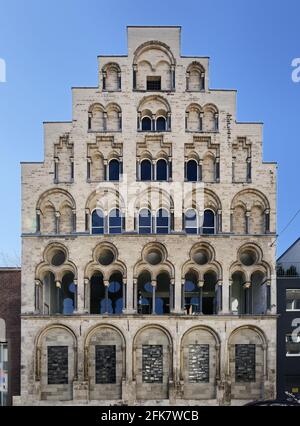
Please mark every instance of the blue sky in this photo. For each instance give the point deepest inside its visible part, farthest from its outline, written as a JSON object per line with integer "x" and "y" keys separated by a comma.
{"x": 50, "y": 46}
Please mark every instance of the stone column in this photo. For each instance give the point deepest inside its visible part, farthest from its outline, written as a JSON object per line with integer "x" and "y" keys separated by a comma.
{"x": 57, "y": 217}
{"x": 75, "y": 282}
{"x": 200, "y": 286}
{"x": 247, "y": 289}
{"x": 154, "y": 284}
{"x": 247, "y": 222}
{"x": 38, "y": 221}
{"x": 106, "y": 285}
{"x": 87, "y": 289}
{"x": 58, "y": 297}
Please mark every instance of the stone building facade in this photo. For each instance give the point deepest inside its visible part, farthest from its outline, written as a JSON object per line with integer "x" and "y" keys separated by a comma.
{"x": 148, "y": 273}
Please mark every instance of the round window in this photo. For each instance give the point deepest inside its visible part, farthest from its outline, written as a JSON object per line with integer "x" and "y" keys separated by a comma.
{"x": 154, "y": 257}
{"x": 58, "y": 258}
{"x": 106, "y": 257}
{"x": 200, "y": 257}
{"x": 248, "y": 258}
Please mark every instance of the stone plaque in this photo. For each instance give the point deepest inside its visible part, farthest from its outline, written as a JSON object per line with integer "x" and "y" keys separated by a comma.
{"x": 57, "y": 365}
{"x": 198, "y": 363}
{"x": 245, "y": 363}
{"x": 105, "y": 356}
{"x": 152, "y": 365}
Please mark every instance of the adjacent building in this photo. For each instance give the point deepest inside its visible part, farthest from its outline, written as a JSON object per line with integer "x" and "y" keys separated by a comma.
{"x": 288, "y": 326}
{"x": 148, "y": 269}
{"x": 10, "y": 334}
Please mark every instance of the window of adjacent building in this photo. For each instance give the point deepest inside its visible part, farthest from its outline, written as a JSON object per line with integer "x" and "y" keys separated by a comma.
{"x": 292, "y": 342}
{"x": 293, "y": 299}
{"x": 153, "y": 83}
{"x": 3, "y": 374}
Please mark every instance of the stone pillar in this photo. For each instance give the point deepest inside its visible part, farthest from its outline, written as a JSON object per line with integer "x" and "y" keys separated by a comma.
{"x": 201, "y": 121}
{"x": 172, "y": 295}
{"x": 248, "y": 222}
{"x": 57, "y": 216}
{"x": 219, "y": 298}
{"x": 87, "y": 290}
{"x": 200, "y": 286}
{"x": 38, "y": 221}
{"x": 187, "y": 81}
{"x": 37, "y": 297}
{"x": 56, "y": 176}
{"x": 154, "y": 284}
{"x": 75, "y": 282}
{"x": 268, "y": 297}
{"x": 58, "y": 297}
{"x": 74, "y": 221}
{"x": 247, "y": 289}
{"x": 106, "y": 285}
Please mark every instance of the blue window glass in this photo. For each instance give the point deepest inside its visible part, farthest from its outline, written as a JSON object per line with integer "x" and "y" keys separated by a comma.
{"x": 146, "y": 170}
{"x": 209, "y": 222}
{"x": 97, "y": 222}
{"x": 191, "y": 222}
{"x": 161, "y": 170}
{"x": 161, "y": 124}
{"x": 146, "y": 124}
{"x": 192, "y": 171}
{"x": 145, "y": 222}
{"x": 114, "y": 170}
{"x": 162, "y": 222}
{"x": 115, "y": 222}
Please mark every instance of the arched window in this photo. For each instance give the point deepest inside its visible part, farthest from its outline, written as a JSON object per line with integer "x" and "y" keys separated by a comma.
{"x": 68, "y": 289}
{"x": 146, "y": 170}
{"x": 97, "y": 222}
{"x": 97, "y": 295}
{"x": 161, "y": 124}
{"x": 191, "y": 221}
{"x": 192, "y": 171}
{"x": 161, "y": 170}
{"x": 162, "y": 222}
{"x": 115, "y": 294}
{"x": 114, "y": 170}
{"x": 163, "y": 302}
{"x": 146, "y": 124}
{"x": 208, "y": 222}
{"x": 192, "y": 294}
{"x": 145, "y": 221}
{"x": 144, "y": 294}
{"x": 115, "y": 222}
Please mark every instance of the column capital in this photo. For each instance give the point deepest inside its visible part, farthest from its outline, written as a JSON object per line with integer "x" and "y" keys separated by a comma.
{"x": 86, "y": 281}
{"x": 247, "y": 284}
{"x": 58, "y": 284}
{"x": 200, "y": 283}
